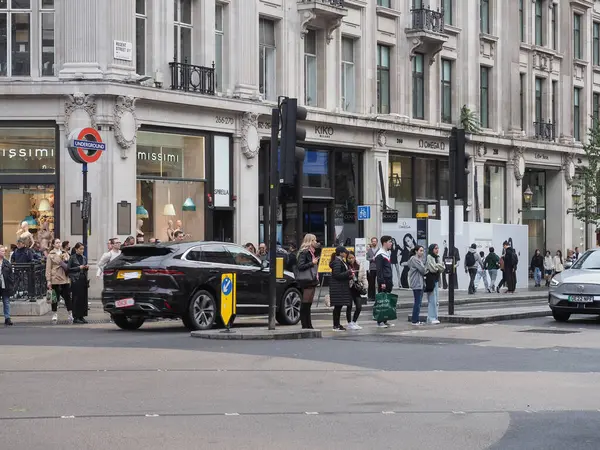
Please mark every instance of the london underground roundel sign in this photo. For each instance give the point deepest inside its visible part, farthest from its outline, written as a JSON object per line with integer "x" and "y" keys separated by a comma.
{"x": 85, "y": 145}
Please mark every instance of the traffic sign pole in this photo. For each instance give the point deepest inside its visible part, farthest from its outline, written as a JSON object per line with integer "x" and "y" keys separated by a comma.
{"x": 84, "y": 210}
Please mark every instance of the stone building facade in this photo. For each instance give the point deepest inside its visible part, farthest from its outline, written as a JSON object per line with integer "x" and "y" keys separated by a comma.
{"x": 182, "y": 92}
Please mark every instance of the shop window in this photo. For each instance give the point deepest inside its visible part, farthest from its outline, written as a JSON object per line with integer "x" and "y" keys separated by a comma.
{"x": 27, "y": 150}
{"x": 400, "y": 184}
{"x": 33, "y": 204}
{"x": 494, "y": 196}
{"x": 170, "y": 184}
{"x": 347, "y": 195}
{"x": 425, "y": 173}
{"x": 316, "y": 169}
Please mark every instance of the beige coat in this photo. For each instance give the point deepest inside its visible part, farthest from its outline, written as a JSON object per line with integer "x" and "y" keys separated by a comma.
{"x": 54, "y": 273}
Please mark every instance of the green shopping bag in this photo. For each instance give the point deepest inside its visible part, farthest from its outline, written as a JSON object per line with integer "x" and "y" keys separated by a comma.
{"x": 385, "y": 307}
{"x": 51, "y": 296}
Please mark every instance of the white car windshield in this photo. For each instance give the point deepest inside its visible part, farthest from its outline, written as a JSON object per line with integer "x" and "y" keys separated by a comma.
{"x": 590, "y": 260}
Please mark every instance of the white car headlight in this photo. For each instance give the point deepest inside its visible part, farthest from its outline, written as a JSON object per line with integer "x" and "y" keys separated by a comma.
{"x": 554, "y": 282}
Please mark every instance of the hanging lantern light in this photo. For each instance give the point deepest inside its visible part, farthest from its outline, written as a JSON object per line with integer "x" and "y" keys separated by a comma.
{"x": 44, "y": 205}
{"x": 188, "y": 205}
{"x": 141, "y": 212}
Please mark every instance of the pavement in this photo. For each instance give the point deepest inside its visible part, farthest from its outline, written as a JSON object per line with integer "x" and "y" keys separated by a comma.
{"x": 523, "y": 384}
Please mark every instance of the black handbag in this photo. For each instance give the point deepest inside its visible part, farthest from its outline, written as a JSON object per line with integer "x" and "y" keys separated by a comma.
{"x": 306, "y": 276}
{"x": 430, "y": 279}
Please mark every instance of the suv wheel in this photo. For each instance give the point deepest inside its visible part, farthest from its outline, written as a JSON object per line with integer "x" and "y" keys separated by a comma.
{"x": 561, "y": 316}
{"x": 128, "y": 323}
{"x": 289, "y": 309}
{"x": 202, "y": 312}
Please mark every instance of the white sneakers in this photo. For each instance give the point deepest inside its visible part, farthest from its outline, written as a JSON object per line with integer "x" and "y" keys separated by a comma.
{"x": 70, "y": 318}
{"x": 353, "y": 326}
{"x": 433, "y": 322}
{"x": 54, "y": 318}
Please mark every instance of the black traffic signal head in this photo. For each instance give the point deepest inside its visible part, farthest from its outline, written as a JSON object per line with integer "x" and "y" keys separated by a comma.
{"x": 291, "y": 133}
{"x": 461, "y": 162}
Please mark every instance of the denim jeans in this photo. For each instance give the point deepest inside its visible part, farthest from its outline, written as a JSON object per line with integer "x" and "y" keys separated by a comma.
{"x": 537, "y": 276}
{"x": 418, "y": 294}
{"x": 432, "y": 304}
{"x": 481, "y": 274}
{"x": 493, "y": 274}
{"x": 5, "y": 304}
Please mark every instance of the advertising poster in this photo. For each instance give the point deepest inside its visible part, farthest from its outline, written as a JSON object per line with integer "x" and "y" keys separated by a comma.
{"x": 360, "y": 245}
{"x": 404, "y": 235}
{"x": 325, "y": 258}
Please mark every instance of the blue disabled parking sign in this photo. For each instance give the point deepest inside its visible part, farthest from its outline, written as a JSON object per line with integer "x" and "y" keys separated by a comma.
{"x": 364, "y": 212}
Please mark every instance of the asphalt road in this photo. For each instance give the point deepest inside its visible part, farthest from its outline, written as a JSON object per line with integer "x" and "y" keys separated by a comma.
{"x": 514, "y": 385}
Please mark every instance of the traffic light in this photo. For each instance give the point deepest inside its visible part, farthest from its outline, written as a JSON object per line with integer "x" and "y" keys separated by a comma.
{"x": 461, "y": 162}
{"x": 291, "y": 133}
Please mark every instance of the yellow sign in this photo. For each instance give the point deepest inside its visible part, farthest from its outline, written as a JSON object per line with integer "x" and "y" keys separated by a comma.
{"x": 422, "y": 215}
{"x": 326, "y": 258}
{"x": 279, "y": 268}
{"x": 228, "y": 297}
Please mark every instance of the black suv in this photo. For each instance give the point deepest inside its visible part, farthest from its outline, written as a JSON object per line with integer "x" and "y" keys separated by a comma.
{"x": 183, "y": 280}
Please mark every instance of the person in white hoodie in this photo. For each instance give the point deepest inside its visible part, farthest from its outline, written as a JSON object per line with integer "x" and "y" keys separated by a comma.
{"x": 548, "y": 267}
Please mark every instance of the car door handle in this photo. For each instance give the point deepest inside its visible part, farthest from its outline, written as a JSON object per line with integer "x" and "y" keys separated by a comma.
{"x": 214, "y": 271}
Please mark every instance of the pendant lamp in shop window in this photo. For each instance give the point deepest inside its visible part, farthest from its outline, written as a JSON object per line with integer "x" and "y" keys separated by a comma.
{"x": 44, "y": 205}
{"x": 169, "y": 209}
{"x": 141, "y": 212}
{"x": 188, "y": 205}
{"x": 30, "y": 221}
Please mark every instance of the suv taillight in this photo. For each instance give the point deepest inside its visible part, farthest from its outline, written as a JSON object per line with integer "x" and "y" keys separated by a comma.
{"x": 108, "y": 273}
{"x": 162, "y": 272}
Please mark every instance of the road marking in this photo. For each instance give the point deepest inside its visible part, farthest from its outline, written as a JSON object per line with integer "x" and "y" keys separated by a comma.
{"x": 67, "y": 417}
{"x": 458, "y": 412}
{"x": 152, "y": 415}
{"x": 311, "y": 413}
{"x": 232, "y": 414}
{"x": 388, "y": 412}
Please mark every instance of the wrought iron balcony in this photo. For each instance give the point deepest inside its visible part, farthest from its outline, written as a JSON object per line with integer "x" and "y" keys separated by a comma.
{"x": 191, "y": 78}
{"x": 426, "y": 19}
{"x": 544, "y": 130}
{"x": 334, "y": 3}
{"x": 427, "y": 34}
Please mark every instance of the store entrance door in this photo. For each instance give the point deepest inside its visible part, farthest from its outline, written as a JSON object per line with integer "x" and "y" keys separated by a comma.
{"x": 316, "y": 220}
{"x": 31, "y": 203}
{"x": 223, "y": 225}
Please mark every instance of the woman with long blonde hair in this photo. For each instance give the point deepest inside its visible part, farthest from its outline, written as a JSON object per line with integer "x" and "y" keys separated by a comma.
{"x": 307, "y": 276}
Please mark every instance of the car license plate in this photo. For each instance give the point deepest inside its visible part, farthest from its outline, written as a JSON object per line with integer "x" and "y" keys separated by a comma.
{"x": 124, "y": 303}
{"x": 581, "y": 298}
{"x": 129, "y": 275}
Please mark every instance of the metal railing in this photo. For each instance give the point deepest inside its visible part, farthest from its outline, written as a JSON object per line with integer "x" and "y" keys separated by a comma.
{"x": 426, "y": 19}
{"x": 191, "y": 78}
{"x": 30, "y": 281}
{"x": 336, "y": 3}
{"x": 544, "y": 130}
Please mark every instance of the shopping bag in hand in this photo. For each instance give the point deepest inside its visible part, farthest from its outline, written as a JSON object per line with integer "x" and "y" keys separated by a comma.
{"x": 51, "y": 296}
{"x": 385, "y": 307}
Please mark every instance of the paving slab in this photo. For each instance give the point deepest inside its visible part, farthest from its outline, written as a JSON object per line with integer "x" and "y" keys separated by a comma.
{"x": 257, "y": 334}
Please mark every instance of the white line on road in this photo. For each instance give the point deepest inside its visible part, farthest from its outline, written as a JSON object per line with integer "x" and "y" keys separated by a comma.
{"x": 67, "y": 417}
{"x": 388, "y": 412}
{"x": 311, "y": 413}
{"x": 458, "y": 412}
{"x": 152, "y": 415}
{"x": 232, "y": 414}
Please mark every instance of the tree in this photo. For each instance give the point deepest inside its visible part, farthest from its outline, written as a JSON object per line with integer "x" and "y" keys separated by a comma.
{"x": 469, "y": 120}
{"x": 587, "y": 184}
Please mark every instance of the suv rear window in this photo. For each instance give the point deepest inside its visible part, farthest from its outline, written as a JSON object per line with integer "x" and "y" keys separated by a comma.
{"x": 142, "y": 252}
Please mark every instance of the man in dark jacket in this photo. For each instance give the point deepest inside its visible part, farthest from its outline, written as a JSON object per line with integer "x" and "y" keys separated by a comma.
{"x": 23, "y": 254}
{"x": 510, "y": 267}
{"x": 446, "y": 273}
{"x": 385, "y": 277}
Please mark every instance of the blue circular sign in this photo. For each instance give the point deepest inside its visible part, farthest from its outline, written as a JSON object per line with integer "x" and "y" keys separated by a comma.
{"x": 226, "y": 286}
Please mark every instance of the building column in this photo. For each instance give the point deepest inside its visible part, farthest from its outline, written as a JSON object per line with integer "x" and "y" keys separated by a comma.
{"x": 80, "y": 41}
{"x": 559, "y": 224}
{"x": 478, "y": 205}
{"x": 514, "y": 195}
{"x": 371, "y": 188}
{"x": 246, "y": 20}
{"x": 245, "y": 186}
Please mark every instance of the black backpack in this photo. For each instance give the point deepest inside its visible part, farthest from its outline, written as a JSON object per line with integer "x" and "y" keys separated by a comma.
{"x": 470, "y": 259}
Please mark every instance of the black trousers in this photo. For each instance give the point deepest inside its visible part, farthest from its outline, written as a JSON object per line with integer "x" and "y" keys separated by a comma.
{"x": 446, "y": 280}
{"x": 511, "y": 280}
{"x": 372, "y": 279}
{"x": 472, "y": 275}
{"x": 305, "y": 316}
{"x": 64, "y": 291}
{"x": 337, "y": 312}
{"x": 356, "y": 299}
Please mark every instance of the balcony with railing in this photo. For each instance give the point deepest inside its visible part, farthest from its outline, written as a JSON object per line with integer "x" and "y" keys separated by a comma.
{"x": 427, "y": 32}
{"x": 544, "y": 130}
{"x": 191, "y": 78}
{"x": 323, "y": 14}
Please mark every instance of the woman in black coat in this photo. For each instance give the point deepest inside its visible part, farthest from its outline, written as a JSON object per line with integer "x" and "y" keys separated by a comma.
{"x": 339, "y": 286}
{"x": 78, "y": 270}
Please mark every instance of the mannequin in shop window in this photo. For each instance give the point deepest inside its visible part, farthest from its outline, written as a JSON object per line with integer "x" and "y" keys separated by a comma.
{"x": 45, "y": 236}
{"x": 179, "y": 226}
{"x": 139, "y": 234}
{"x": 25, "y": 235}
{"x": 170, "y": 231}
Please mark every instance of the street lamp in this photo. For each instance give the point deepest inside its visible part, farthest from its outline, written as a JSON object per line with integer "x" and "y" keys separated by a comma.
{"x": 527, "y": 198}
{"x": 576, "y": 196}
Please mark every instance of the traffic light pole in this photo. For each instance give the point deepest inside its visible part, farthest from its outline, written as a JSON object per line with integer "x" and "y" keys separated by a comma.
{"x": 451, "y": 223}
{"x": 272, "y": 211}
